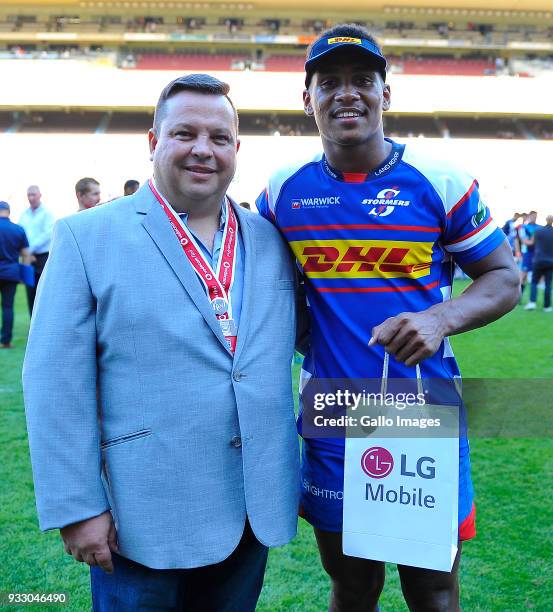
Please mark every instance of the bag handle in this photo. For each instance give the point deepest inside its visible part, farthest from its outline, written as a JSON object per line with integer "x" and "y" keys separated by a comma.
{"x": 385, "y": 366}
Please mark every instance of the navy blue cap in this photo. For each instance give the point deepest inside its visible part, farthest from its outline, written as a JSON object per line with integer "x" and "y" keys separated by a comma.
{"x": 4, "y": 206}
{"x": 329, "y": 44}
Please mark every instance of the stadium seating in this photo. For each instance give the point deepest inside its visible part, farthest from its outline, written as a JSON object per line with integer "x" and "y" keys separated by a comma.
{"x": 285, "y": 63}
{"x": 180, "y": 61}
{"x": 294, "y": 63}
{"x": 428, "y": 65}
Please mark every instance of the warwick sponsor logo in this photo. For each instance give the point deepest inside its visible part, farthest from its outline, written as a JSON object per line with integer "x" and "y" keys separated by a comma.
{"x": 385, "y": 202}
{"x": 363, "y": 258}
{"x": 325, "y": 202}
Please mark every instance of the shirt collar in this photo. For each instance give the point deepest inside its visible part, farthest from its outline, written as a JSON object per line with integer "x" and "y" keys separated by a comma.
{"x": 184, "y": 216}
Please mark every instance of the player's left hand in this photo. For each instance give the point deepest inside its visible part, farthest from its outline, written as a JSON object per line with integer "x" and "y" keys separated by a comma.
{"x": 410, "y": 336}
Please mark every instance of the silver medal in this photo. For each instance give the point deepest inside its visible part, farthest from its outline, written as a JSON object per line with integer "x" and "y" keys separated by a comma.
{"x": 220, "y": 305}
{"x": 228, "y": 327}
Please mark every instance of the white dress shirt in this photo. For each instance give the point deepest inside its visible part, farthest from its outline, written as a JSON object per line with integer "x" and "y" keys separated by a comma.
{"x": 38, "y": 225}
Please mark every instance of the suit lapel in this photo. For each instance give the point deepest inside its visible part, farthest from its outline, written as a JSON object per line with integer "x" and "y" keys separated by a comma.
{"x": 160, "y": 231}
{"x": 248, "y": 295}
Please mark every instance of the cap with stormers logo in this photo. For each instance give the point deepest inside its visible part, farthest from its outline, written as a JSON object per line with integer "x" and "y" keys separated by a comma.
{"x": 329, "y": 44}
{"x": 4, "y": 206}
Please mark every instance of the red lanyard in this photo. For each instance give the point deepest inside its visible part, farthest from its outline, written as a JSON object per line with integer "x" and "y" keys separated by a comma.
{"x": 218, "y": 283}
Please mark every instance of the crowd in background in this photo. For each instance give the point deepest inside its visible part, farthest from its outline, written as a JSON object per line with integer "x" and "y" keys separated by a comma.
{"x": 25, "y": 246}
{"x": 532, "y": 247}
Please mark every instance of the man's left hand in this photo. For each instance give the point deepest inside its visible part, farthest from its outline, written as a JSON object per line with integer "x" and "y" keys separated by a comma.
{"x": 411, "y": 336}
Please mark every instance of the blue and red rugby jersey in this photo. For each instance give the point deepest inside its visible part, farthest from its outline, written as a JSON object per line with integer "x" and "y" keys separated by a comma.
{"x": 374, "y": 245}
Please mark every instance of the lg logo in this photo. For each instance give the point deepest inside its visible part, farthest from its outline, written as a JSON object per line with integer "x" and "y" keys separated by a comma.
{"x": 378, "y": 462}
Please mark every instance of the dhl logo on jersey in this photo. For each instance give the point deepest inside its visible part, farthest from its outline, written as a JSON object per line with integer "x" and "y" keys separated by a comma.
{"x": 363, "y": 258}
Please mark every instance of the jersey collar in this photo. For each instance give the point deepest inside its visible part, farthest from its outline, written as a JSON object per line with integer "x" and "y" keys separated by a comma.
{"x": 358, "y": 177}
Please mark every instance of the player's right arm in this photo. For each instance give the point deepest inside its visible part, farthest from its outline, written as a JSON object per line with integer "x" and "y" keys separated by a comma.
{"x": 482, "y": 251}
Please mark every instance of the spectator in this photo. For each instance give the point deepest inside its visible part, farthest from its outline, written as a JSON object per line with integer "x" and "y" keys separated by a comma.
{"x": 13, "y": 244}
{"x": 527, "y": 231}
{"x": 510, "y": 229}
{"x": 87, "y": 191}
{"x": 38, "y": 222}
{"x": 543, "y": 265}
{"x": 130, "y": 187}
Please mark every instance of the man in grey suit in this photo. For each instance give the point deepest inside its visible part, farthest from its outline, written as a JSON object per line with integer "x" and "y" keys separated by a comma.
{"x": 157, "y": 383}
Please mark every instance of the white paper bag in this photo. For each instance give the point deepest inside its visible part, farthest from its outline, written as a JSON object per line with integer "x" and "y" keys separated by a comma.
{"x": 401, "y": 494}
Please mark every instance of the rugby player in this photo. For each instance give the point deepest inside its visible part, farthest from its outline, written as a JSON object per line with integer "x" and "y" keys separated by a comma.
{"x": 376, "y": 228}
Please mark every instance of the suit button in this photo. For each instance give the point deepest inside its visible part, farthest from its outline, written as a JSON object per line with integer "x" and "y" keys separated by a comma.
{"x": 236, "y": 441}
{"x": 237, "y": 376}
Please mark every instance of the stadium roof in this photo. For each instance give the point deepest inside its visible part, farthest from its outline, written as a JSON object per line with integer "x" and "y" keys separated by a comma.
{"x": 371, "y": 5}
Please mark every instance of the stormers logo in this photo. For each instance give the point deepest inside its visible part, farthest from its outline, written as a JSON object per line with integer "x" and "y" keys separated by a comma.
{"x": 363, "y": 258}
{"x": 385, "y": 202}
{"x": 480, "y": 215}
{"x": 344, "y": 39}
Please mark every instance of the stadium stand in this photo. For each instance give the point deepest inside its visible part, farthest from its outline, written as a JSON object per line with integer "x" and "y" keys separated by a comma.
{"x": 469, "y": 127}
{"x": 443, "y": 65}
{"x": 129, "y": 123}
{"x": 497, "y": 28}
{"x": 398, "y": 126}
{"x": 285, "y": 63}
{"x": 212, "y": 58}
{"x": 74, "y": 122}
{"x": 181, "y": 61}
{"x": 294, "y": 63}
{"x": 282, "y": 124}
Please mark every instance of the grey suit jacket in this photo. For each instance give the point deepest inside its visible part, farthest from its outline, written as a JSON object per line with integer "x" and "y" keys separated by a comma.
{"x": 134, "y": 402}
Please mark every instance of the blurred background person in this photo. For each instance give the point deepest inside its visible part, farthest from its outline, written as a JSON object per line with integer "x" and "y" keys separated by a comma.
{"x": 130, "y": 187}
{"x": 526, "y": 233}
{"x": 87, "y": 191}
{"x": 13, "y": 245}
{"x": 38, "y": 222}
{"x": 543, "y": 265}
{"x": 511, "y": 230}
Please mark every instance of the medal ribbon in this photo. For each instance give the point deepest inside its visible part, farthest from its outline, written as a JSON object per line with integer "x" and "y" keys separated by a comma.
{"x": 218, "y": 283}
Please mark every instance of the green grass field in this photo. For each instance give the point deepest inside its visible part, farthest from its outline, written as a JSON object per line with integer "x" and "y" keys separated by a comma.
{"x": 508, "y": 567}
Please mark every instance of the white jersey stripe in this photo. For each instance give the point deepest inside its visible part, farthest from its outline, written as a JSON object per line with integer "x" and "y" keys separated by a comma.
{"x": 471, "y": 241}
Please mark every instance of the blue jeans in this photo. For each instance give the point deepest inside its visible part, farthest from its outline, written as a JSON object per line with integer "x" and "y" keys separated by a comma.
{"x": 7, "y": 290}
{"x": 233, "y": 585}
